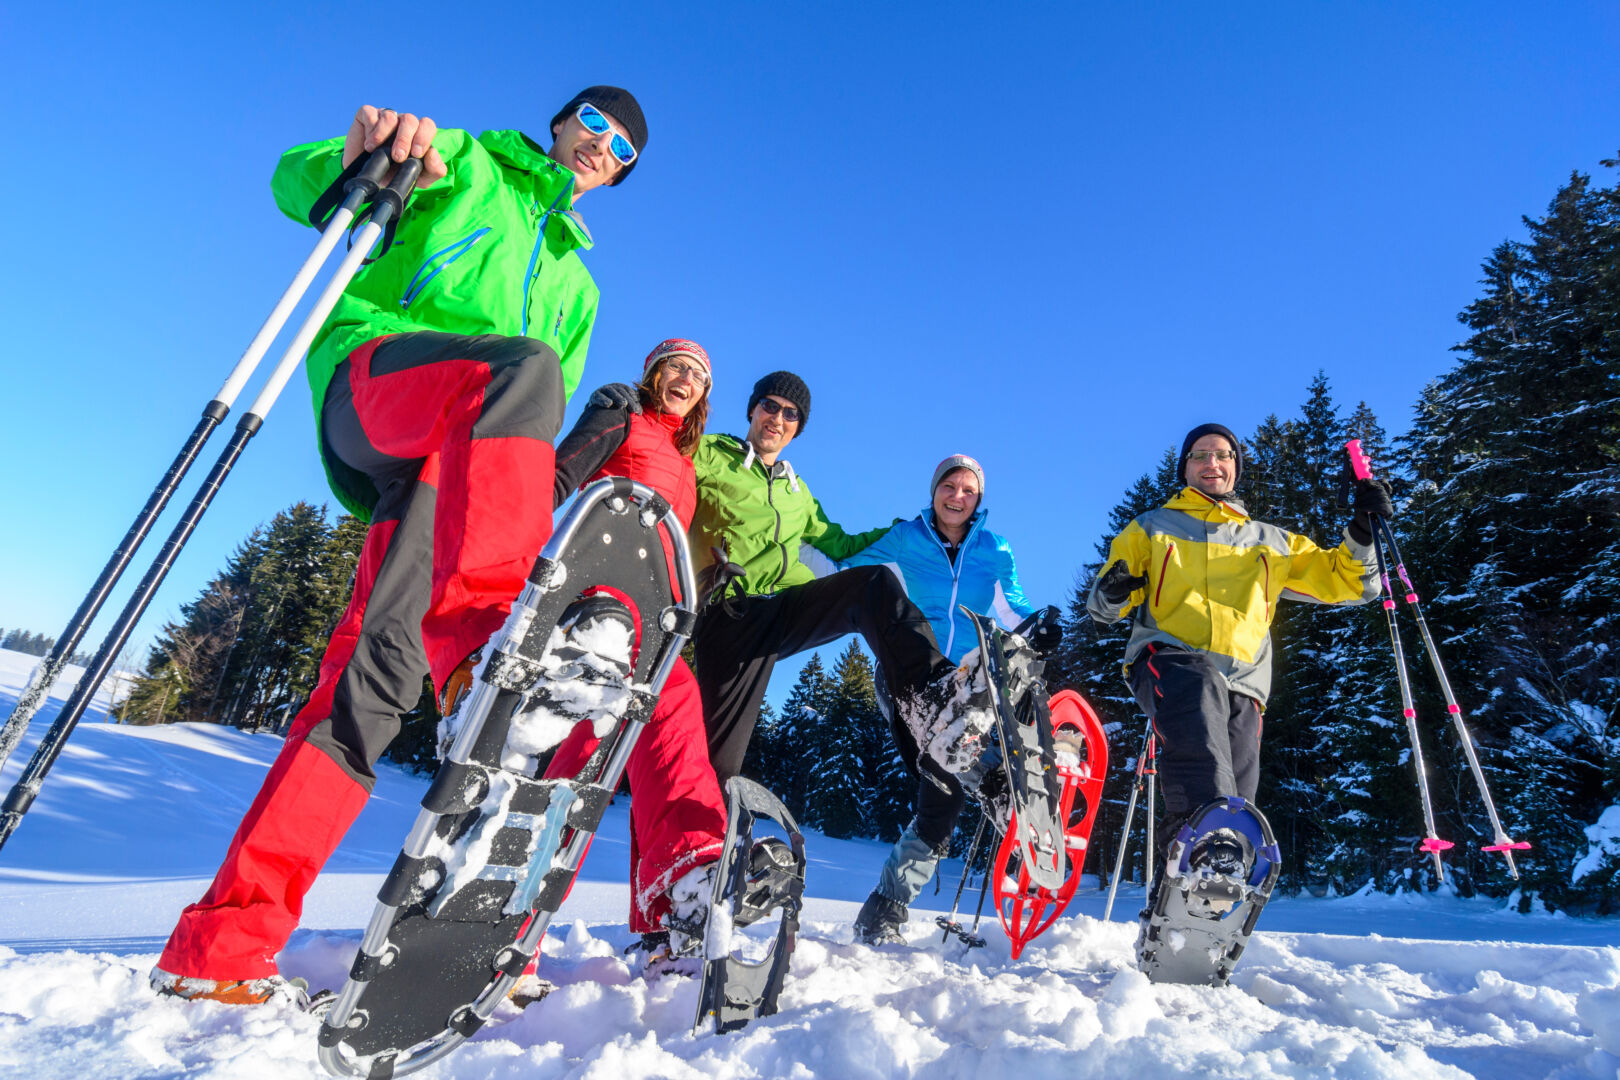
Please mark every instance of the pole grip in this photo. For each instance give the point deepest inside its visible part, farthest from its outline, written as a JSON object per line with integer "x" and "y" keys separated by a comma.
{"x": 1358, "y": 460}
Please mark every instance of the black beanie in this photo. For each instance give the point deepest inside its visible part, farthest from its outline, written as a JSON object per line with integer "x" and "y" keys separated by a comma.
{"x": 622, "y": 106}
{"x": 1212, "y": 429}
{"x": 783, "y": 384}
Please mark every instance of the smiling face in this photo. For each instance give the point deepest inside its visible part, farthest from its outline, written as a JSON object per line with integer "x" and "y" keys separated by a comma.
{"x": 678, "y": 385}
{"x": 771, "y": 432}
{"x": 587, "y": 155}
{"x": 956, "y": 499}
{"x": 1213, "y": 478}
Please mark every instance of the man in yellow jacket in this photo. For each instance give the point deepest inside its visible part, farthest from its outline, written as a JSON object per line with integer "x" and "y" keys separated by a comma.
{"x": 1200, "y": 581}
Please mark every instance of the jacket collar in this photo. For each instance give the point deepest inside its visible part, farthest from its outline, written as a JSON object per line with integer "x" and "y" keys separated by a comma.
{"x": 782, "y": 468}
{"x": 975, "y": 523}
{"x": 553, "y": 183}
{"x": 1193, "y": 501}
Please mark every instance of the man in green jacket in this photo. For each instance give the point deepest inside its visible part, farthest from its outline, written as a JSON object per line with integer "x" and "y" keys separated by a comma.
{"x": 753, "y": 514}
{"x": 439, "y": 384}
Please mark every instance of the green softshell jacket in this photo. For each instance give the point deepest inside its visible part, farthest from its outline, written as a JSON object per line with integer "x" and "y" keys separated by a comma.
{"x": 760, "y": 514}
{"x": 490, "y": 249}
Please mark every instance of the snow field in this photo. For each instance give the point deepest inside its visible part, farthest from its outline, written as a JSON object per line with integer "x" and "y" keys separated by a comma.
{"x": 133, "y": 821}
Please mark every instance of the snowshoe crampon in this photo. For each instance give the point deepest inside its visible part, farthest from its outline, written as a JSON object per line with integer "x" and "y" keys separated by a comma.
{"x": 753, "y": 879}
{"x": 1081, "y": 761}
{"x": 580, "y": 662}
{"x": 1219, "y": 873}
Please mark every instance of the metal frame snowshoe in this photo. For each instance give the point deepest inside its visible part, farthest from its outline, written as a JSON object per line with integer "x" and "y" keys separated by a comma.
{"x": 443, "y": 947}
{"x": 1200, "y": 922}
{"x": 734, "y": 991}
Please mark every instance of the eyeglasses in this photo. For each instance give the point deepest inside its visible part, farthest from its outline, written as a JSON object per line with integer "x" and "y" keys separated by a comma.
{"x": 677, "y": 369}
{"x": 772, "y": 406}
{"x": 591, "y": 118}
{"x": 1202, "y": 456}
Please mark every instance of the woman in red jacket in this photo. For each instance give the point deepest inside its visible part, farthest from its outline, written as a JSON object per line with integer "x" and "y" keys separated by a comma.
{"x": 677, "y": 813}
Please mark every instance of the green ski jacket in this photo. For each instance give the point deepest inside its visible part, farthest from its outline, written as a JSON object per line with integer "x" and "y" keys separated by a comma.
{"x": 493, "y": 248}
{"x": 760, "y": 514}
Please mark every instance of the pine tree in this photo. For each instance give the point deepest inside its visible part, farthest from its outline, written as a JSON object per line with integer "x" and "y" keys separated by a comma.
{"x": 1514, "y": 452}
{"x": 791, "y": 741}
{"x": 839, "y": 777}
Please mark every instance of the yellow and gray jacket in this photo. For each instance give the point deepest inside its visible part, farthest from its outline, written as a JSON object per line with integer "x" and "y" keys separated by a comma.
{"x": 1214, "y": 576}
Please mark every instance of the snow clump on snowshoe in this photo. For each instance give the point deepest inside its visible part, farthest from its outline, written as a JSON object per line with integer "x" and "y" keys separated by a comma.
{"x": 951, "y": 718}
{"x": 584, "y": 675}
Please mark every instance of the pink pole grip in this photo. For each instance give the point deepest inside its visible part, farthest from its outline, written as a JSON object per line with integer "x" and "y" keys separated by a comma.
{"x": 1358, "y": 460}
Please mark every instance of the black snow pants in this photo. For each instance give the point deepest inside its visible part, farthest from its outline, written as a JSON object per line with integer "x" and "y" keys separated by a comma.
{"x": 1209, "y": 737}
{"x": 735, "y": 654}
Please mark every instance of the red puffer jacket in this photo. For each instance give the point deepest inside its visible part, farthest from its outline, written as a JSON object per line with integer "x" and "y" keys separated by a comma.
{"x": 641, "y": 446}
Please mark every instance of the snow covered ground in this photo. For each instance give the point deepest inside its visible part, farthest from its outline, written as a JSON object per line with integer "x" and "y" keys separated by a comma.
{"x": 133, "y": 820}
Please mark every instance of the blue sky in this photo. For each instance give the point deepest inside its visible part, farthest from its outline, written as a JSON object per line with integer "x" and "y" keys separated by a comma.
{"x": 1054, "y": 236}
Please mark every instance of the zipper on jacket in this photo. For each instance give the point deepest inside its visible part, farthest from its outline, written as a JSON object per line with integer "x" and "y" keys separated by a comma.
{"x": 956, "y": 572}
{"x": 770, "y": 487}
{"x": 534, "y": 256}
{"x": 1166, "y": 562}
{"x": 454, "y": 251}
{"x": 1266, "y": 565}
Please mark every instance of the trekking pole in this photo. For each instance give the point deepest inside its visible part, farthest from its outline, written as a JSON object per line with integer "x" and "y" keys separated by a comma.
{"x": 1501, "y": 842}
{"x": 1151, "y": 842}
{"x": 1431, "y": 840}
{"x": 358, "y": 185}
{"x": 1359, "y": 469}
{"x": 390, "y": 201}
{"x": 1130, "y": 812}
{"x": 948, "y": 923}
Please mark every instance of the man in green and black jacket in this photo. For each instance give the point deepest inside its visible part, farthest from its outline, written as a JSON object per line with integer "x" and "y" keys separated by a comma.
{"x": 753, "y": 514}
{"x": 439, "y": 383}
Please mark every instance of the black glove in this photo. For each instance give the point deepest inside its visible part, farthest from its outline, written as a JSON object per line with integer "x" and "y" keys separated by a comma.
{"x": 617, "y": 395}
{"x": 1117, "y": 584}
{"x": 1371, "y": 498}
{"x": 1048, "y": 633}
{"x": 724, "y": 572}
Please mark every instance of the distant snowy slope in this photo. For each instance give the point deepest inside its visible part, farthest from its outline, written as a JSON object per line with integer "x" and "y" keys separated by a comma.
{"x": 133, "y": 821}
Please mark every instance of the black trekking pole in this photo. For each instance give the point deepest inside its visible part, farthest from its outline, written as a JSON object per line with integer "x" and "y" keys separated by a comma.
{"x": 1143, "y": 775}
{"x": 948, "y": 923}
{"x": 1501, "y": 842}
{"x": 388, "y": 204}
{"x": 358, "y": 184}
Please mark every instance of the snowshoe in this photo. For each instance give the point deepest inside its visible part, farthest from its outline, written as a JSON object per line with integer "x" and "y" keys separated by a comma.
{"x": 1080, "y": 761}
{"x": 1024, "y": 734}
{"x": 495, "y": 849}
{"x": 750, "y": 881}
{"x": 1219, "y": 872}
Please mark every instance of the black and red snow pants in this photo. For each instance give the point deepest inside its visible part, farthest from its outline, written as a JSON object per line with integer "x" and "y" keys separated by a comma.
{"x": 456, "y": 435}
{"x": 1208, "y": 734}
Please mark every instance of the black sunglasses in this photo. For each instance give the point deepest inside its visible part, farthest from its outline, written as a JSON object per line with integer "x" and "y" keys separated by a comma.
{"x": 772, "y": 406}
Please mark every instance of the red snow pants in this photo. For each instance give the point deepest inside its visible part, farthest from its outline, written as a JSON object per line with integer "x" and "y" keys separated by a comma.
{"x": 455, "y": 435}
{"x": 677, "y": 814}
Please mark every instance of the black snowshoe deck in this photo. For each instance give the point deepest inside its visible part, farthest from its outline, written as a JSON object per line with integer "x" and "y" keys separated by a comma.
{"x": 494, "y": 851}
{"x": 1199, "y": 923}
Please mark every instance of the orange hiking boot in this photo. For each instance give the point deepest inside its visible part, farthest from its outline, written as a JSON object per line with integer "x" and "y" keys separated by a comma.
{"x": 231, "y": 991}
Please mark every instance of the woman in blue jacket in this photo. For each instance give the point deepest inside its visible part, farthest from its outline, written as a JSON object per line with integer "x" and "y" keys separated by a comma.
{"x": 944, "y": 557}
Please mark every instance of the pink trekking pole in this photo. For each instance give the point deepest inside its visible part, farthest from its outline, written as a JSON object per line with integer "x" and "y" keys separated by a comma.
{"x": 1384, "y": 540}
